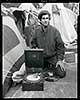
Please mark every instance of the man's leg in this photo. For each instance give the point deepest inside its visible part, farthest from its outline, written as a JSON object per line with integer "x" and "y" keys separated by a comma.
{"x": 58, "y": 72}
{"x": 50, "y": 68}
{"x": 46, "y": 64}
{"x": 45, "y": 68}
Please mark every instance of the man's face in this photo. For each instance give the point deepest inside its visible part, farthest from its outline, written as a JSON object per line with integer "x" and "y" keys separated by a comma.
{"x": 45, "y": 20}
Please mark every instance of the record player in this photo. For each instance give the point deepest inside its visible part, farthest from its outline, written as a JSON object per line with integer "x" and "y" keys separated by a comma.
{"x": 33, "y": 79}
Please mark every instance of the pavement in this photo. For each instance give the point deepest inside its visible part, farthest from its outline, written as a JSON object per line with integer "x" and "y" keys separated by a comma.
{"x": 63, "y": 88}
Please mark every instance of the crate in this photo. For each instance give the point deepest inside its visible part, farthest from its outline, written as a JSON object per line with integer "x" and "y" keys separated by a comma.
{"x": 29, "y": 86}
{"x": 70, "y": 57}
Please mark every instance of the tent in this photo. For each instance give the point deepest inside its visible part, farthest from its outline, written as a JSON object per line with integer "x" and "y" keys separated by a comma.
{"x": 13, "y": 51}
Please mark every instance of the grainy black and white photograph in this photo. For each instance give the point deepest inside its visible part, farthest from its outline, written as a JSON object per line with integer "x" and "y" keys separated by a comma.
{"x": 39, "y": 50}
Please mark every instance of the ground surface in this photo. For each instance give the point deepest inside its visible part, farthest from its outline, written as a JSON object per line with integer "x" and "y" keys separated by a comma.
{"x": 63, "y": 88}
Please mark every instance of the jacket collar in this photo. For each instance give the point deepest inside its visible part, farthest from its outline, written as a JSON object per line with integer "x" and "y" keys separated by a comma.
{"x": 44, "y": 30}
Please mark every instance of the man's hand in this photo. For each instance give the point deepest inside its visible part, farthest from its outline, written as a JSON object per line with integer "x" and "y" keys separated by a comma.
{"x": 61, "y": 65}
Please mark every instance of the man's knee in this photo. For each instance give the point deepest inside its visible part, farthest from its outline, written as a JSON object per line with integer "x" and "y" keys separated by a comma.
{"x": 61, "y": 73}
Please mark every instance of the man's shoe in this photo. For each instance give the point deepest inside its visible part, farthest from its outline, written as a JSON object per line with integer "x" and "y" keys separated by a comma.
{"x": 49, "y": 76}
{"x": 51, "y": 79}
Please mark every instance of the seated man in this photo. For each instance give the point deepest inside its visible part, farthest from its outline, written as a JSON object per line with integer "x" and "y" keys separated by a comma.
{"x": 48, "y": 38}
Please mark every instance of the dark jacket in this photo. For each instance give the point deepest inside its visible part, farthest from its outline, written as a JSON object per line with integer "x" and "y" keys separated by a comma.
{"x": 51, "y": 42}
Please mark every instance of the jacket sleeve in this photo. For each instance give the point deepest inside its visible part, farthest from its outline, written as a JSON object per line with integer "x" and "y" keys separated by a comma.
{"x": 34, "y": 41}
{"x": 60, "y": 49}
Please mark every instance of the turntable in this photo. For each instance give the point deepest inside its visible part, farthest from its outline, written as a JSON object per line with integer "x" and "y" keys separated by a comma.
{"x": 33, "y": 79}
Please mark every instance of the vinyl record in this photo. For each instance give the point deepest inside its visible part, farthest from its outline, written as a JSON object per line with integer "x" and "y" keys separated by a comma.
{"x": 33, "y": 78}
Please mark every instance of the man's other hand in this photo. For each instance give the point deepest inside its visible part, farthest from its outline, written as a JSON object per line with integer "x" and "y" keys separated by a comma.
{"x": 61, "y": 65}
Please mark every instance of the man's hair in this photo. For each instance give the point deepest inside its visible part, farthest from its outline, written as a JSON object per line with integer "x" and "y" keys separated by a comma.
{"x": 43, "y": 12}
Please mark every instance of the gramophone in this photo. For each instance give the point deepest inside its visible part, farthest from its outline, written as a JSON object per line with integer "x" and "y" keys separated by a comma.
{"x": 33, "y": 78}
